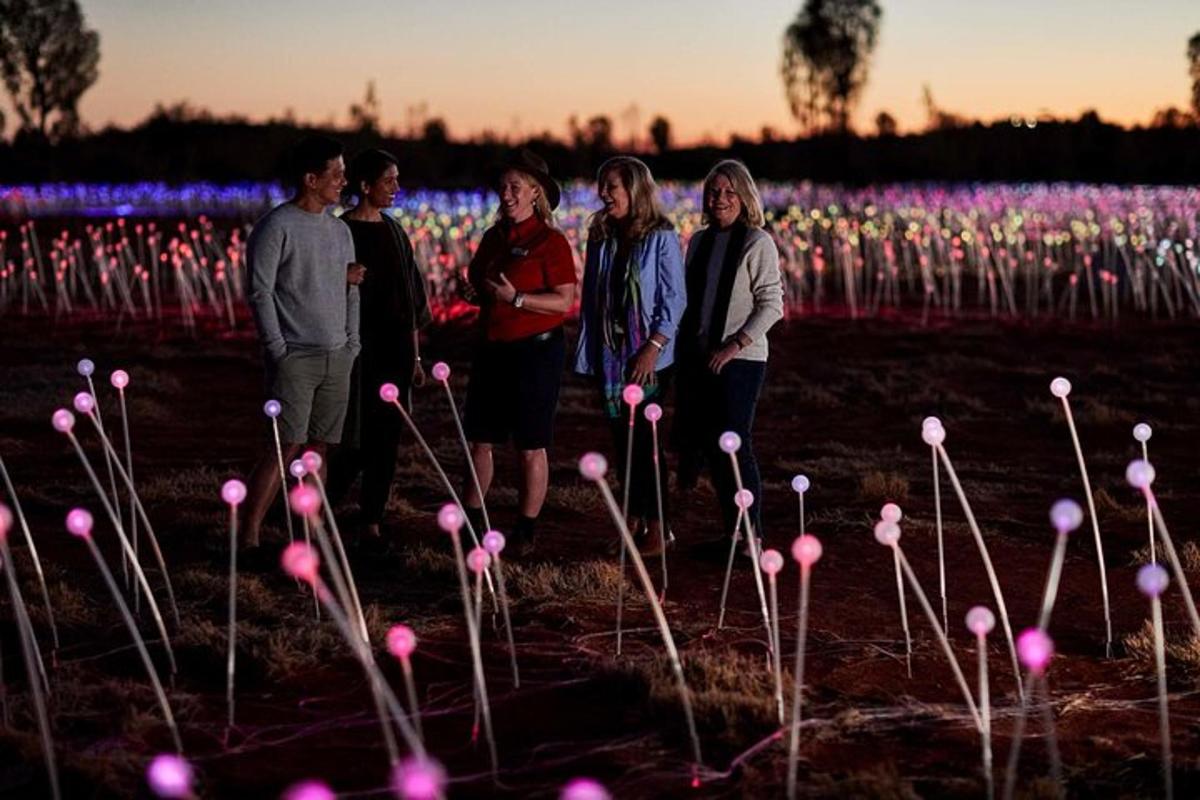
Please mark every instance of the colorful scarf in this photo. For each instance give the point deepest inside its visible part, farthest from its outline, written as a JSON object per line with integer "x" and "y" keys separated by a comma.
{"x": 622, "y": 329}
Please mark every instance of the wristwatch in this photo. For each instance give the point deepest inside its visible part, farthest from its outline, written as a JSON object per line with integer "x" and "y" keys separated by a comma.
{"x": 518, "y": 299}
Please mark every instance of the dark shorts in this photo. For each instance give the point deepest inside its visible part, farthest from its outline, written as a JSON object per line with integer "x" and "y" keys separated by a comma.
{"x": 513, "y": 391}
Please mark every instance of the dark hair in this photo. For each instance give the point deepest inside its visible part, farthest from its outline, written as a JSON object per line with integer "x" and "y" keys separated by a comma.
{"x": 367, "y": 167}
{"x": 310, "y": 155}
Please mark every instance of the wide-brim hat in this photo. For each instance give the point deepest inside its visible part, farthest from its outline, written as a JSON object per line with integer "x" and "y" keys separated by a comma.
{"x": 533, "y": 165}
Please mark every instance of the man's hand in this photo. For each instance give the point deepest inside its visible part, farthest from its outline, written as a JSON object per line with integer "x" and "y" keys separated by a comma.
{"x": 355, "y": 273}
{"x": 724, "y": 356}
{"x": 641, "y": 366}
{"x": 503, "y": 291}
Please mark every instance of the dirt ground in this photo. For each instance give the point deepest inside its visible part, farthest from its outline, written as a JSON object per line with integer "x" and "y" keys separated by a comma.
{"x": 843, "y": 404}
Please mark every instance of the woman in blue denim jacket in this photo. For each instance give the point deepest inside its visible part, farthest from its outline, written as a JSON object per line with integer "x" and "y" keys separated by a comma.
{"x": 633, "y": 300}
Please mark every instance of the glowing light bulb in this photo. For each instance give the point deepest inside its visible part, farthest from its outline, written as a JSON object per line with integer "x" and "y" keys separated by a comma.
{"x": 981, "y": 620}
{"x": 593, "y": 466}
{"x": 401, "y": 641}
{"x": 807, "y": 550}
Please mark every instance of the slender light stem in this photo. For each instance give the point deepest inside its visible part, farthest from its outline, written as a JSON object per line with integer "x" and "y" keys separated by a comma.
{"x": 1149, "y": 513}
{"x": 1018, "y": 734}
{"x": 343, "y": 563}
{"x": 755, "y": 549}
{"x": 625, "y": 513}
{"x": 287, "y": 511}
{"x": 410, "y": 688}
{"x": 476, "y": 657}
{"x": 1087, "y": 490}
{"x": 776, "y": 660}
{"x": 1173, "y": 557}
{"x": 112, "y": 482}
{"x": 230, "y": 661}
{"x": 903, "y": 612}
{"x": 798, "y": 679}
{"x": 985, "y": 711}
{"x": 1164, "y": 719}
{"x": 937, "y": 510}
{"x": 1052, "y": 580}
{"x": 37, "y": 563}
{"x": 987, "y": 564}
{"x": 734, "y": 538}
{"x": 658, "y": 498}
{"x": 512, "y": 647}
{"x": 137, "y": 640}
{"x": 133, "y": 521}
{"x": 462, "y": 439}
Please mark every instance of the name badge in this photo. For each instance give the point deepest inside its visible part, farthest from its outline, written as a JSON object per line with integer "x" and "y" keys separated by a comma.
{"x": 520, "y": 252}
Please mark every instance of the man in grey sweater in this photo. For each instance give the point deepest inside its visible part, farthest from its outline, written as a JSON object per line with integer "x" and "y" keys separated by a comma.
{"x": 307, "y": 316}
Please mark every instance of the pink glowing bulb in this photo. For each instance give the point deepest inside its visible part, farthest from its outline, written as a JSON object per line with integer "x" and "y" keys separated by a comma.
{"x": 807, "y": 550}
{"x": 1060, "y": 387}
{"x": 1035, "y": 649}
{"x": 653, "y": 412}
{"x": 85, "y": 367}
{"x": 933, "y": 435}
{"x": 312, "y": 461}
{"x": 1066, "y": 516}
{"x": 441, "y": 371}
{"x": 1140, "y": 474}
{"x": 401, "y": 641}
{"x": 890, "y": 513}
{"x": 593, "y": 466}
{"x": 272, "y": 408}
{"x": 887, "y": 533}
{"x": 305, "y": 500}
{"x": 1152, "y": 580}
{"x": 119, "y": 379}
{"x": 730, "y": 442}
{"x": 931, "y": 422}
{"x": 79, "y": 522}
{"x": 6, "y": 521}
{"x": 633, "y": 395}
{"x": 301, "y": 561}
{"x": 233, "y": 492}
{"x": 584, "y": 789}
{"x": 170, "y": 776}
{"x": 743, "y": 498}
{"x": 800, "y": 484}
{"x": 297, "y": 469}
{"x": 450, "y": 518}
{"x": 478, "y": 560}
{"x": 1142, "y": 432}
{"x": 388, "y": 392}
{"x": 309, "y": 790}
{"x": 981, "y": 620}
{"x": 493, "y": 542}
{"x": 418, "y": 779}
{"x": 771, "y": 562}
{"x": 84, "y": 403}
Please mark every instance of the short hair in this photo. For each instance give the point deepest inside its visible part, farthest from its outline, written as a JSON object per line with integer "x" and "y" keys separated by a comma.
{"x": 368, "y": 167}
{"x": 739, "y": 176}
{"x": 645, "y": 210}
{"x": 310, "y": 155}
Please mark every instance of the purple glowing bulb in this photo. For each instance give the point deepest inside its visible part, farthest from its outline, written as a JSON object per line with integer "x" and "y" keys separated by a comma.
{"x": 305, "y": 500}
{"x": 771, "y": 562}
{"x": 450, "y": 518}
{"x": 890, "y": 513}
{"x": 478, "y": 560}
{"x": 806, "y": 550}
{"x": 981, "y": 620}
{"x": 1140, "y": 474}
{"x": 633, "y": 395}
{"x": 119, "y": 379}
{"x": 272, "y": 408}
{"x": 1060, "y": 387}
{"x": 1035, "y": 648}
{"x": 297, "y": 469}
{"x": 593, "y": 466}
{"x": 388, "y": 392}
{"x": 887, "y": 533}
{"x": 401, "y": 641}
{"x": 933, "y": 435}
{"x": 301, "y": 561}
{"x": 584, "y": 789}
{"x": 79, "y": 522}
{"x": 800, "y": 484}
{"x": 1066, "y": 516}
{"x": 653, "y": 412}
{"x": 85, "y": 367}
{"x": 730, "y": 442}
{"x": 84, "y": 403}
{"x": 309, "y": 790}
{"x": 1152, "y": 580}
{"x": 441, "y": 371}
{"x": 931, "y": 422}
{"x": 493, "y": 542}
{"x": 418, "y": 779}
{"x": 1142, "y": 432}
{"x": 312, "y": 461}
{"x": 233, "y": 492}
{"x": 170, "y": 776}
{"x": 743, "y": 498}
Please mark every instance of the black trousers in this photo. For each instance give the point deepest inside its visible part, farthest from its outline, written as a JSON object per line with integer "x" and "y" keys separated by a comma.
{"x": 642, "y": 498}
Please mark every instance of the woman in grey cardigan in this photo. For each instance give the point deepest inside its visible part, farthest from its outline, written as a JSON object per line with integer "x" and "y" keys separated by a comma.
{"x": 734, "y": 297}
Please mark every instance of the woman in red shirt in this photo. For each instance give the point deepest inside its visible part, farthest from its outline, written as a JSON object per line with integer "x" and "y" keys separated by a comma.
{"x": 524, "y": 276}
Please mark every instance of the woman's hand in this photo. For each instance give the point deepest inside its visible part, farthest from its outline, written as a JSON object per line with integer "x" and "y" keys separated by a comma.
{"x": 641, "y": 366}
{"x": 418, "y": 374}
{"x": 503, "y": 291}
{"x": 724, "y": 356}
{"x": 355, "y": 273}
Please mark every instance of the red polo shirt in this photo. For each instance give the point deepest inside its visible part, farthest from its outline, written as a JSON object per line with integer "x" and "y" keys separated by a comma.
{"x": 534, "y": 257}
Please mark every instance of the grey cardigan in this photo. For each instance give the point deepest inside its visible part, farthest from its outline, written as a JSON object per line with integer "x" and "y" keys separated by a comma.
{"x": 756, "y": 299}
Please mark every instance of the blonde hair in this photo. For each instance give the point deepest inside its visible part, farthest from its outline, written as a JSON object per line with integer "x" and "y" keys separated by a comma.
{"x": 743, "y": 185}
{"x": 541, "y": 204}
{"x": 645, "y": 211}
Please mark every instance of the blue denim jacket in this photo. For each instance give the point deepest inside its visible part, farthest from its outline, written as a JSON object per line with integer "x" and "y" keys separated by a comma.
{"x": 660, "y": 264}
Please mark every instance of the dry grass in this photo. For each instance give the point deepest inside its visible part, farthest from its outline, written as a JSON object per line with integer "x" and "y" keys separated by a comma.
{"x": 1189, "y": 556}
{"x": 582, "y": 582}
{"x": 883, "y": 487}
{"x": 1183, "y": 657}
{"x": 1107, "y": 507}
{"x": 192, "y": 485}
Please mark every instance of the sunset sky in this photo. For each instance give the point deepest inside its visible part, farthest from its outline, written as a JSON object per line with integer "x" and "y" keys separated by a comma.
{"x": 709, "y": 66}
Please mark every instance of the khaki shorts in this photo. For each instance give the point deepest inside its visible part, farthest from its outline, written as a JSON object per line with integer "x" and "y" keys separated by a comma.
{"x": 313, "y": 388}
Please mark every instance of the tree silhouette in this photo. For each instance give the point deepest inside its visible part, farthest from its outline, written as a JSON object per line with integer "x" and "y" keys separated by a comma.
{"x": 48, "y": 60}
{"x": 660, "y": 134}
{"x": 885, "y": 124}
{"x": 826, "y": 50}
{"x": 1193, "y": 55}
{"x": 364, "y": 117}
